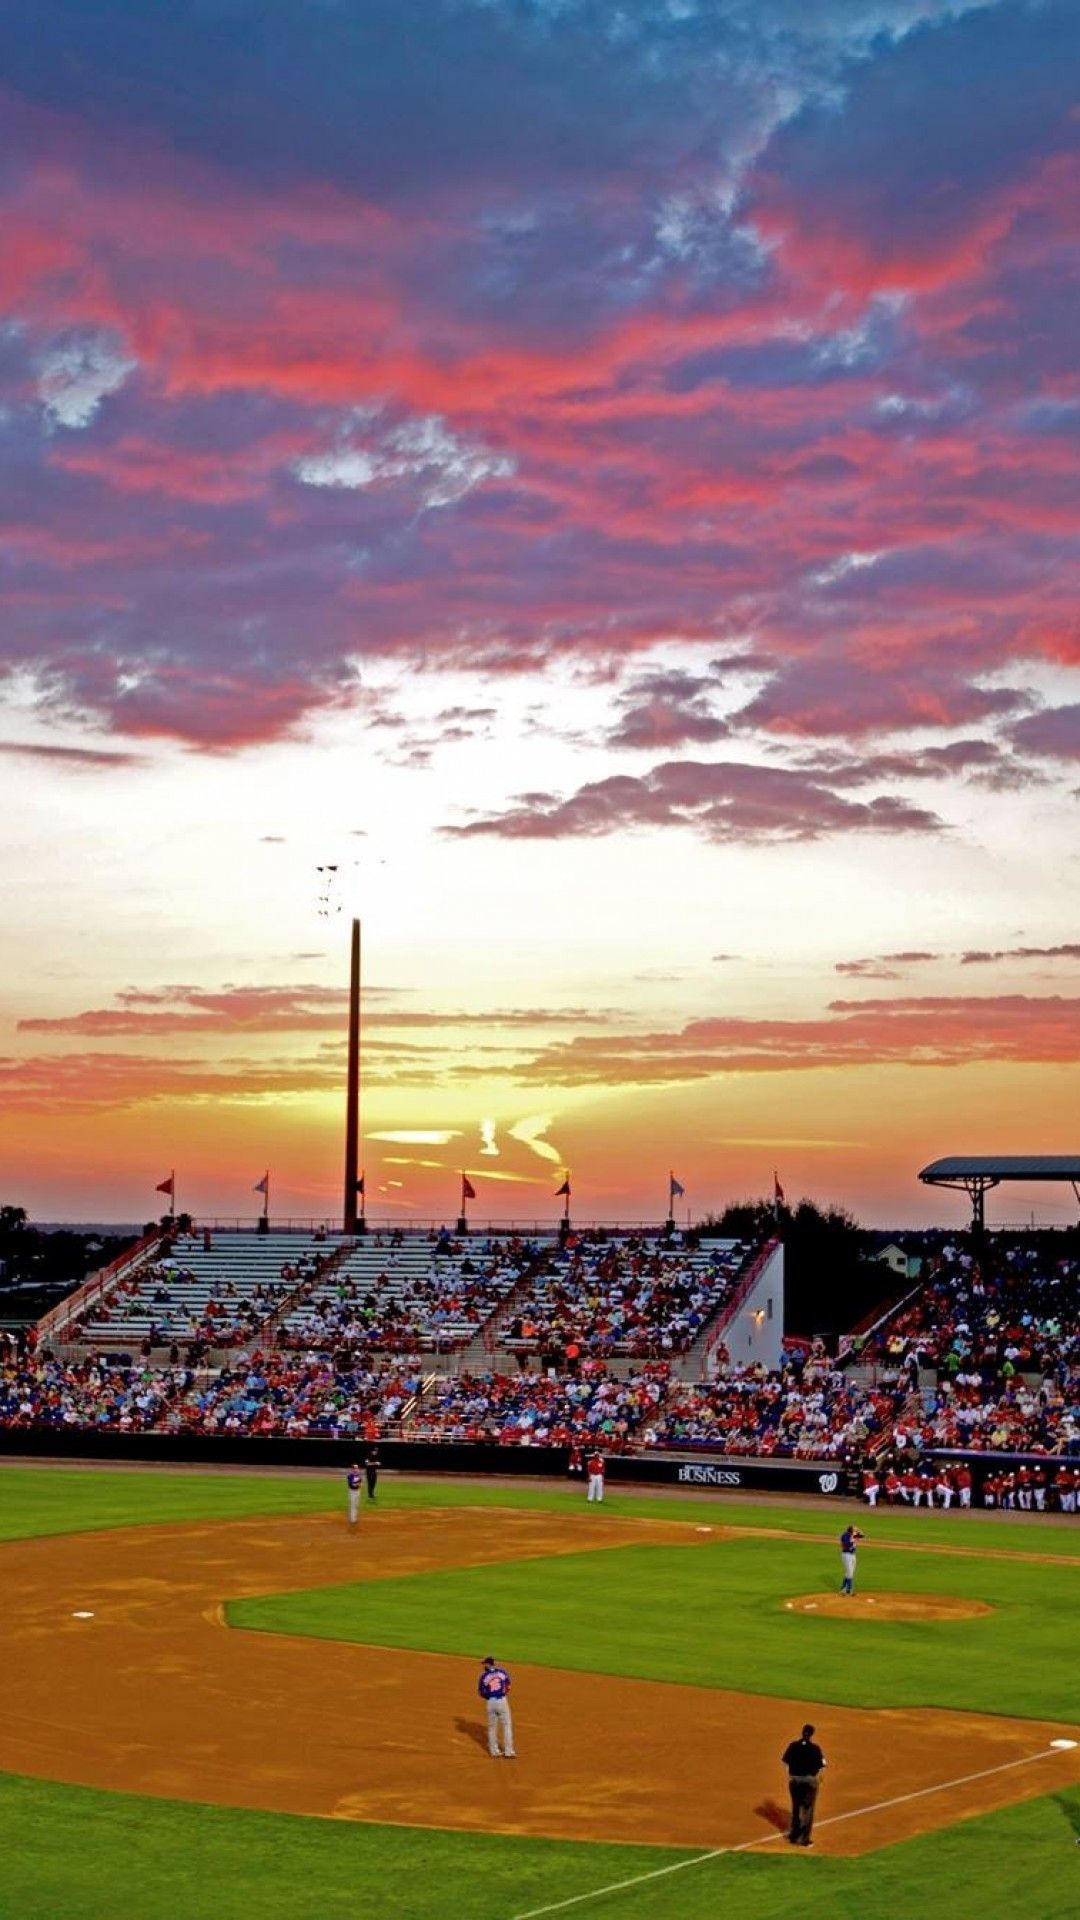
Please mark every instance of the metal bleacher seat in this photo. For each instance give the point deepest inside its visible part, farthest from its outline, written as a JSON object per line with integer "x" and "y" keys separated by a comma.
{"x": 169, "y": 1296}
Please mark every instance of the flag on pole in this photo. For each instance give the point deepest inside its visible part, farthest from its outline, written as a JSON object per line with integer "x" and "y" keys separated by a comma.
{"x": 360, "y": 1184}
{"x": 263, "y": 1185}
{"x": 167, "y": 1186}
{"x": 677, "y": 1188}
{"x": 468, "y": 1191}
{"x": 563, "y": 1192}
{"x": 778, "y": 1191}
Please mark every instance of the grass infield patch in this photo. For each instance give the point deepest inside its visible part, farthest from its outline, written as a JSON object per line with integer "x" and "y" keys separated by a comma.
{"x": 717, "y": 1617}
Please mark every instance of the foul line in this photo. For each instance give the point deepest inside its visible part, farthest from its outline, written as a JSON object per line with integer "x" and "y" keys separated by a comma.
{"x": 764, "y": 1840}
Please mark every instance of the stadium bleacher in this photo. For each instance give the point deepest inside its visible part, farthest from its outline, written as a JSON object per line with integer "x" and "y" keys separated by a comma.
{"x": 541, "y": 1409}
{"x": 218, "y": 1289}
{"x": 415, "y": 1293}
{"x": 992, "y": 1345}
{"x": 278, "y": 1394}
{"x": 301, "y": 1335}
{"x": 809, "y": 1412}
{"x": 624, "y": 1296}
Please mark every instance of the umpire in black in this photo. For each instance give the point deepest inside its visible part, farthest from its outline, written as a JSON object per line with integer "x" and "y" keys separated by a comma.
{"x": 804, "y": 1761}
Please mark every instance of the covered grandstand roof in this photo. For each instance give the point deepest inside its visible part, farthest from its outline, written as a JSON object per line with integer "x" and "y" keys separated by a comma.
{"x": 996, "y": 1167}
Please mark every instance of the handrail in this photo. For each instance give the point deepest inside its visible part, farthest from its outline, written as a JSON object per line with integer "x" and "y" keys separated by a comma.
{"x": 864, "y": 1334}
{"x": 96, "y": 1285}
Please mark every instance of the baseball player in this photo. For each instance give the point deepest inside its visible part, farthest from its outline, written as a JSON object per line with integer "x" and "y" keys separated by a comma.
{"x": 494, "y": 1690}
{"x": 1038, "y": 1487}
{"x": 849, "y": 1541}
{"x": 372, "y": 1463}
{"x": 596, "y": 1476}
{"x": 353, "y": 1483}
{"x": 804, "y": 1761}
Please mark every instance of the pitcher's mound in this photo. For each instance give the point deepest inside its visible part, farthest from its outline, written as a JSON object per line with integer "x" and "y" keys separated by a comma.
{"x": 888, "y": 1606}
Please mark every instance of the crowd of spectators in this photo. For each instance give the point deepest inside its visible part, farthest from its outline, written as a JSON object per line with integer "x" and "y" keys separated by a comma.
{"x": 631, "y": 1297}
{"x": 985, "y": 1360}
{"x": 396, "y": 1307}
{"x": 46, "y": 1392}
{"x": 259, "y": 1395}
{"x": 1014, "y": 1308}
{"x": 990, "y": 1351}
{"x": 1027, "y": 1416}
{"x": 808, "y": 1411}
{"x": 166, "y": 1301}
{"x": 542, "y": 1410}
{"x": 297, "y": 1398}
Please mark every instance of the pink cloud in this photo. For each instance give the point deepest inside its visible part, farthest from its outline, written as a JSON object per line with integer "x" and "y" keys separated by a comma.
{"x": 692, "y": 461}
{"x": 185, "y": 1011}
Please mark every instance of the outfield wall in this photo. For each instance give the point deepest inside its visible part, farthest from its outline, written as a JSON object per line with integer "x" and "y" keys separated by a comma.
{"x": 422, "y": 1456}
{"x": 686, "y": 1470}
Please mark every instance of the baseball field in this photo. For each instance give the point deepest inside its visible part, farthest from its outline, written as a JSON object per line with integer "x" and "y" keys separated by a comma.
{"x": 217, "y": 1701}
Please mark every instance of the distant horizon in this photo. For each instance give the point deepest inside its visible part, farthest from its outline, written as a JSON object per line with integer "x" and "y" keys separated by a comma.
{"x": 482, "y": 1225}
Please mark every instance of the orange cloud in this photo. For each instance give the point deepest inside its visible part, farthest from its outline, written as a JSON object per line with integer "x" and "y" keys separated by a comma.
{"x": 937, "y": 1031}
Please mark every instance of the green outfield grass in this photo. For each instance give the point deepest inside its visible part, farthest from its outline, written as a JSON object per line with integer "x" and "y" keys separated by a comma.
{"x": 68, "y": 1853}
{"x": 49, "y": 1499}
{"x": 74, "y": 1854}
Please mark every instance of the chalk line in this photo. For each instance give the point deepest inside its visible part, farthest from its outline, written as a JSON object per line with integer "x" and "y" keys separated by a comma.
{"x": 764, "y": 1840}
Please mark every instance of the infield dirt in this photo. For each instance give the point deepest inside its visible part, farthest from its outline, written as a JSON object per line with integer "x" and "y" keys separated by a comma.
{"x": 150, "y": 1692}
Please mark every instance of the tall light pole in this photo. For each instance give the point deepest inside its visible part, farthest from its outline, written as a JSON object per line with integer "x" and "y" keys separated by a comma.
{"x": 353, "y": 1213}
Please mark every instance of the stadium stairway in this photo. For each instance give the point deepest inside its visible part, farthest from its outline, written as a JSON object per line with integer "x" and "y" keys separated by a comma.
{"x": 485, "y": 1352}
{"x": 489, "y": 1352}
{"x": 692, "y": 1365}
{"x": 268, "y": 1331}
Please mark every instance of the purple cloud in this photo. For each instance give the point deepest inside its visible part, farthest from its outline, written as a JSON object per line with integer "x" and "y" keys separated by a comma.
{"x": 722, "y": 800}
{"x": 503, "y": 338}
{"x": 1055, "y": 733}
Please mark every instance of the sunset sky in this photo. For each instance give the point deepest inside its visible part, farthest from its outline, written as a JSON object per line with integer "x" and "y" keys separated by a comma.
{"x": 603, "y": 478}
